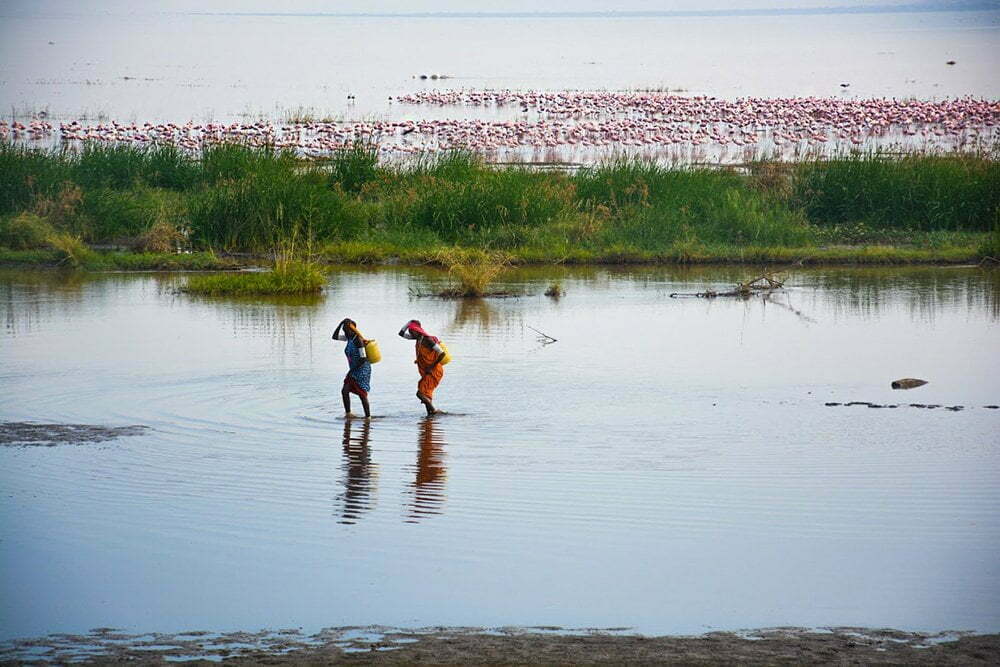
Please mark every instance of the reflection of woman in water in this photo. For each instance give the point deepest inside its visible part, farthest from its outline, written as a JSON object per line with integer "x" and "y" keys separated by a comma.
{"x": 358, "y": 473}
{"x": 428, "y": 487}
{"x": 429, "y": 356}
{"x": 359, "y": 369}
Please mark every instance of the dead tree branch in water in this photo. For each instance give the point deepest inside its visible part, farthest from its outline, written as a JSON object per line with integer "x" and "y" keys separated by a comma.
{"x": 762, "y": 283}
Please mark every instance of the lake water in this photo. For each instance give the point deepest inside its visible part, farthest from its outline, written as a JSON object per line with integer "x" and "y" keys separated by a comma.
{"x": 183, "y": 60}
{"x": 668, "y": 465}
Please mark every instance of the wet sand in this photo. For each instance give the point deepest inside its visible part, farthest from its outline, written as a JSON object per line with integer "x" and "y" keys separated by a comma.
{"x": 513, "y": 646}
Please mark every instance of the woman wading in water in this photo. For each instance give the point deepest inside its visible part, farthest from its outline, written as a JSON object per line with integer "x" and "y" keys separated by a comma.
{"x": 429, "y": 356}
{"x": 359, "y": 369}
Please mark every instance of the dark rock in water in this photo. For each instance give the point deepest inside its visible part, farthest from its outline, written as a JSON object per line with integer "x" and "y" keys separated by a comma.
{"x": 830, "y": 404}
{"x": 908, "y": 383}
{"x": 875, "y": 405}
{"x": 955, "y": 408}
{"x": 47, "y": 435}
{"x": 868, "y": 403}
{"x": 950, "y": 62}
{"x": 992, "y": 407}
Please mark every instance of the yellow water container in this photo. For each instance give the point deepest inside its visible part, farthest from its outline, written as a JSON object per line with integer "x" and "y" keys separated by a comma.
{"x": 447, "y": 355}
{"x": 372, "y": 353}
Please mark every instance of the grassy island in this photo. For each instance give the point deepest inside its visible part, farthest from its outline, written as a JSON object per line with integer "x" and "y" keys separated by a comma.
{"x": 56, "y": 207}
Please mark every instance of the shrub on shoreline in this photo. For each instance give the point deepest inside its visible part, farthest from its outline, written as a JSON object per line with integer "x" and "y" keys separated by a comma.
{"x": 26, "y": 231}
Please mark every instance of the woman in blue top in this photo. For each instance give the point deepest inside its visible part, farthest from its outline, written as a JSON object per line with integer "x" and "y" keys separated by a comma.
{"x": 359, "y": 369}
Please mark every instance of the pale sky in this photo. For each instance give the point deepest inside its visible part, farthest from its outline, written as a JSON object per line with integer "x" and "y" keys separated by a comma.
{"x": 416, "y": 6}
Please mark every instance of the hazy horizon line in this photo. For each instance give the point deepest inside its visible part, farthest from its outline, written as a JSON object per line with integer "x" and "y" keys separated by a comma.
{"x": 982, "y": 5}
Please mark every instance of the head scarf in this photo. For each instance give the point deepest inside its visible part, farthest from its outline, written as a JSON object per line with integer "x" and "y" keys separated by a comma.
{"x": 413, "y": 326}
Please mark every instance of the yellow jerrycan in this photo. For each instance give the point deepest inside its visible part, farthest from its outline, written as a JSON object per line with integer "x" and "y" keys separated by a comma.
{"x": 447, "y": 354}
{"x": 372, "y": 353}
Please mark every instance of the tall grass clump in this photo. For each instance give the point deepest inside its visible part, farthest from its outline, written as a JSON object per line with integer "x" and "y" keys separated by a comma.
{"x": 25, "y": 231}
{"x": 71, "y": 251}
{"x": 465, "y": 201}
{"x": 264, "y": 209}
{"x": 924, "y": 192}
{"x": 289, "y": 276}
{"x": 27, "y": 173}
{"x": 353, "y": 167}
{"x": 649, "y": 206}
{"x": 475, "y": 270}
{"x": 234, "y": 161}
{"x": 990, "y": 246}
{"x": 121, "y": 215}
{"x": 108, "y": 166}
{"x": 169, "y": 167}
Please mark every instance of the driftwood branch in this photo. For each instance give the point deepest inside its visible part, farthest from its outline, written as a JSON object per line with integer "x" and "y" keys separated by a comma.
{"x": 762, "y": 283}
{"x": 543, "y": 338}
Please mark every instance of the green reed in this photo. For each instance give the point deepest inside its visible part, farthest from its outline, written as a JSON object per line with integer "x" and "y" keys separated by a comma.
{"x": 260, "y": 211}
{"x": 355, "y": 166}
{"x": 355, "y": 208}
{"x": 27, "y": 173}
{"x": 287, "y": 277}
{"x": 953, "y": 192}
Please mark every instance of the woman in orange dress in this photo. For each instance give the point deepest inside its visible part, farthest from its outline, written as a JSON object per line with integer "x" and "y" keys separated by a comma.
{"x": 429, "y": 356}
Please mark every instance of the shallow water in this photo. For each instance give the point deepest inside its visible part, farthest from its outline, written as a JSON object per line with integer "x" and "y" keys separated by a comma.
{"x": 173, "y": 61}
{"x": 668, "y": 465}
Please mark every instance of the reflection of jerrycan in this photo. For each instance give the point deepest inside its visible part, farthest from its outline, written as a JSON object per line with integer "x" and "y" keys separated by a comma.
{"x": 447, "y": 354}
{"x": 372, "y": 353}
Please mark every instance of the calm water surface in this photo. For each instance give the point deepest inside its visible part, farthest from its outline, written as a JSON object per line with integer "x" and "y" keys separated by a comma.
{"x": 668, "y": 465}
{"x": 221, "y": 61}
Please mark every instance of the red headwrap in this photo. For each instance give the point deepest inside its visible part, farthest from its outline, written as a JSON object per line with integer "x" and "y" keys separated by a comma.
{"x": 413, "y": 326}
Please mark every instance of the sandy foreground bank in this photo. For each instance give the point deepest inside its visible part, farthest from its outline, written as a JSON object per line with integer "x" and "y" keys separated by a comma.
{"x": 521, "y": 646}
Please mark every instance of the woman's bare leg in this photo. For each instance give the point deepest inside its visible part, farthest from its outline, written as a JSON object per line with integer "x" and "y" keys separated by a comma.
{"x": 427, "y": 403}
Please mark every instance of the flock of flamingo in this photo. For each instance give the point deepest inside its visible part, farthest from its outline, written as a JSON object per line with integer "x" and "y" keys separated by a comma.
{"x": 580, "y": 120}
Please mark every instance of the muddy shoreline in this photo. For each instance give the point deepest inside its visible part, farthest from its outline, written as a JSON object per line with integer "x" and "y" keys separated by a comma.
{"x": 38, "y": 434}
{"x": 511, "y": 646}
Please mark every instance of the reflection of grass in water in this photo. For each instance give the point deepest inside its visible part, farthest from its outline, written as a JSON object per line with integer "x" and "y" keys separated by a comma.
{"x": 923, "y": 291}
{"x": 474, "y": 312}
